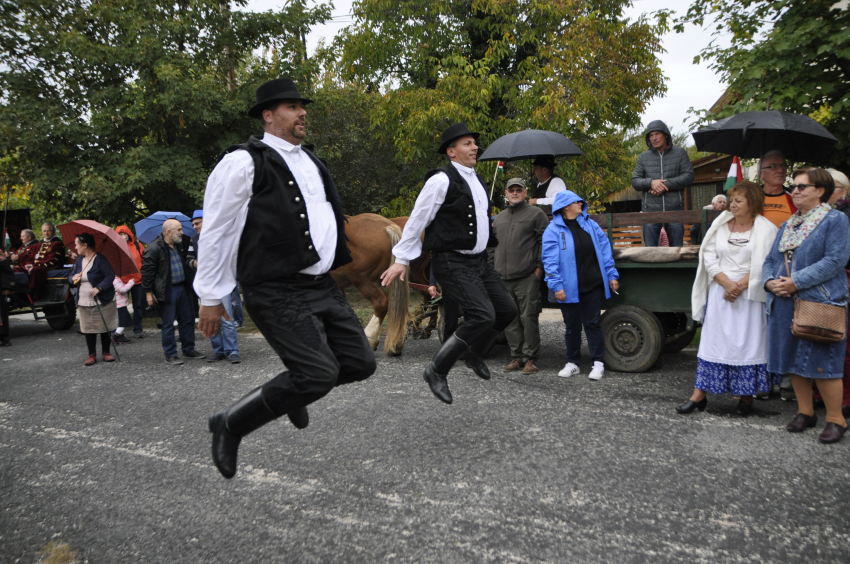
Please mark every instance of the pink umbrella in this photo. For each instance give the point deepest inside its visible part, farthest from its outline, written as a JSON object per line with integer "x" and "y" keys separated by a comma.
{"x": 106, "y": 242}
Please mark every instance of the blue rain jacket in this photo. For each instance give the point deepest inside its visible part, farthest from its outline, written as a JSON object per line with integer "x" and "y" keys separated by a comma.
{"x": 559, "y": 254}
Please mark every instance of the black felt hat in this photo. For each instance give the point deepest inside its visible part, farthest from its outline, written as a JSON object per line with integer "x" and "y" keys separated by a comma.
{"x": 544, "y": 160}
{"x": 453, "y": 132}
{"x": 274, "y": 91}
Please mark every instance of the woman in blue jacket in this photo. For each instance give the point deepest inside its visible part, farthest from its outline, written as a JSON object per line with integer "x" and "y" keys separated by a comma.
{"x": 580, "y": 272}
{"x": 816, "y": 243}
{"x": 95, "y": 303}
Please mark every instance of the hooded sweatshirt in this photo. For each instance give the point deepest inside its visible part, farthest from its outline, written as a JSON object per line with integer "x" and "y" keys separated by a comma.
{"x": 560, "y": 260}
{"x": 136, "y": 250}
{"x": 672, "y": 165}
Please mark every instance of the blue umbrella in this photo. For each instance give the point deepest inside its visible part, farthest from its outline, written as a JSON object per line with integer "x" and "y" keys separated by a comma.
{"x": 150, "y": 227}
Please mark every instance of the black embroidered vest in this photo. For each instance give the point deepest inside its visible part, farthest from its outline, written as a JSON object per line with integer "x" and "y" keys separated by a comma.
{"x": 455, "y": 227}
{"x": 276, "y": 241}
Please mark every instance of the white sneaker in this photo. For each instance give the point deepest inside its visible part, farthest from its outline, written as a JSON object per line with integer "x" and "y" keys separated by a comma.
{"x": 598, "y": 370}
{"x": 570, "y": 369}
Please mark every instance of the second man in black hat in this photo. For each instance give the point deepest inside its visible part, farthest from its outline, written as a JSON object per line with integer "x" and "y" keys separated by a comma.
{"x": 453, "y": 211}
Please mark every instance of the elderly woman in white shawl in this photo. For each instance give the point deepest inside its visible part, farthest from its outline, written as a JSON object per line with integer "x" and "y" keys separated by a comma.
{"x": 729, "y": 298}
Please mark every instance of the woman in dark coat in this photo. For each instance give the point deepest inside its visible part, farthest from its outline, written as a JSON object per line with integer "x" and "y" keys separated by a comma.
{"x": 94, "y": 276}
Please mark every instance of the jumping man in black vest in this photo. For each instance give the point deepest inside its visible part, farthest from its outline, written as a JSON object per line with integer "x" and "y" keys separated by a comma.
{"x": 273, "y": 221}
{"x": 453, "y": 211}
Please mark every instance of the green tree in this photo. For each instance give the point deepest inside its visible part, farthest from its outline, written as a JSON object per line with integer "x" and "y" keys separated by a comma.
{"x": 338, "y": 124}
{"x": 793, "y": 55}
{"x": 117, "y": 108}
{"x": 573, "y": 66}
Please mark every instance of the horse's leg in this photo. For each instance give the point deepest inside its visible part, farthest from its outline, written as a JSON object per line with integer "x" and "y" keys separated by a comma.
{"x": 376, "y": 296}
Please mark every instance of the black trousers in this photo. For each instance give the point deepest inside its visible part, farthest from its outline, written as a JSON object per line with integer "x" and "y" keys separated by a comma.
{"x": 314, "y": 331}
{"x": 472, "y": 283}
{"x": 4, "y": 316}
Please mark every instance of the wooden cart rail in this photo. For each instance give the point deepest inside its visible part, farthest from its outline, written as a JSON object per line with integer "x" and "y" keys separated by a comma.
{"x": 624, "y": 229}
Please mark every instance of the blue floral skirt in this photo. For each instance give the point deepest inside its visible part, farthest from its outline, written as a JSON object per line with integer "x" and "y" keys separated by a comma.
{"x": 719, "y": 378}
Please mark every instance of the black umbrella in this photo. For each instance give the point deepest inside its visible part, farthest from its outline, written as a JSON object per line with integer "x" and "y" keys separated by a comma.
{"x": 750, "y": 135}
{"x": 529, "y": 144}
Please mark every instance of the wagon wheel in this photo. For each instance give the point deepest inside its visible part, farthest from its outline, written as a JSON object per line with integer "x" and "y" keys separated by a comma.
{"x": 633, "y": 338}
{"x": 676, "y": 333}
{"x": 60, "y": 319}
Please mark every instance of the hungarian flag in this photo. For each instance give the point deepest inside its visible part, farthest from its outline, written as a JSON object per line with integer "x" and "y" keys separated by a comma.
{"x": 501, "y": 166}
{"x": 735, "y": 174}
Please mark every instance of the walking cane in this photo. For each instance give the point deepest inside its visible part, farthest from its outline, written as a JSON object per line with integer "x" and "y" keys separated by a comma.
{"x": 111, "y": 337}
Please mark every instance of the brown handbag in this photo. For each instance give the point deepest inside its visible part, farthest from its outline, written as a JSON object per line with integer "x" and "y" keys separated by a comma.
{"x": 817, "y": 322}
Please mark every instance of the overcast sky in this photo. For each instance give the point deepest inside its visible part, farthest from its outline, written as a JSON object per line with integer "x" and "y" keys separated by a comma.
{"x": 688, "y": 85}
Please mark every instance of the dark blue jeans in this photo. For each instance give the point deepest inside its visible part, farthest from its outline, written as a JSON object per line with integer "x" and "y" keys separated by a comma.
{"x": 652, "y": 234}
{"x": 137, "y": 292}
{"x": 181, "y": 309}
{"x": 585, "y": 312}
{"x": 236, "y": 303}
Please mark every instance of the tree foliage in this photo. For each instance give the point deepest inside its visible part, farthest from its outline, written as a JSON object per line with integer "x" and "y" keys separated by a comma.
{"x": 573, "y": 66}
{"x": 117, "y": 108}
{"x": 794, "y": 55}
{"x": 338, "y": 124}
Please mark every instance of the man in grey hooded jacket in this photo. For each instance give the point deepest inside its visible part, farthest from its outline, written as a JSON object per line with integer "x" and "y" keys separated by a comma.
{"x": 662, "y": 172}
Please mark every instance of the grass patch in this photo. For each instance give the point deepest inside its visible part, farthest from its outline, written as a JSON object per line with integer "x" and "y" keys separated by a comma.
{"x": 58, "y": 552}
{"x": 695, "y": 342}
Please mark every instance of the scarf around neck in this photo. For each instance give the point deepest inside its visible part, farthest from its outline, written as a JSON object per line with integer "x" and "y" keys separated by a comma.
{"x": 798, "y": 227}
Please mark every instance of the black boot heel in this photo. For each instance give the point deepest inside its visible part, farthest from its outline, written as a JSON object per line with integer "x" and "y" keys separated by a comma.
{"x": 690, "y": 405}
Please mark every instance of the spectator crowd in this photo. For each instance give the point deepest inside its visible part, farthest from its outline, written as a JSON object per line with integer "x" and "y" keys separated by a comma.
{"x": 771, "y": 248}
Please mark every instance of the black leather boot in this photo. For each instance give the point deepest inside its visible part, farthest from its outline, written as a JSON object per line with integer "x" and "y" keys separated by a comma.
{"x": 475, "y": 355}
{"x": 229, "y": 426}
{"x": 436, "y": 375}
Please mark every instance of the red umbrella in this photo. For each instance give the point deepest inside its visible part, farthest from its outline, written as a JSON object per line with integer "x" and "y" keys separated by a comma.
{"x": 106, "y": 242}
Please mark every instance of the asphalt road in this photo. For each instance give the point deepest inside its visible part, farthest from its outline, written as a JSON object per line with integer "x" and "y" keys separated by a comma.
{"x": 114, "y": 460}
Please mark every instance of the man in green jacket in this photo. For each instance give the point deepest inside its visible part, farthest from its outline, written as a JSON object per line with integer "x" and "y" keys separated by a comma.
{"x": 519, "y": 229}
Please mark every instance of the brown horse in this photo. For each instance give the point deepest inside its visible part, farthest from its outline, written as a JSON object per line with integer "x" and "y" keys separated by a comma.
{"x": 420, "y": 274}
{"x": 371, "y": 239}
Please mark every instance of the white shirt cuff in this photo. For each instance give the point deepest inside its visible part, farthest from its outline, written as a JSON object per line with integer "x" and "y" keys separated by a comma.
{"x": 210, "y": 303}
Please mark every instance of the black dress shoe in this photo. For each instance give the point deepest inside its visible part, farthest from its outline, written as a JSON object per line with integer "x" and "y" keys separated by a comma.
{"x": 832, "y": 433}
{"x": 845, "y": 409}
{"x": 818, "y": 404}
{"x": 299, "y": 417}
{"x": 477, "y": 365}
{"x": 691, "y": 405}
{"x": 438, "y": 383}
{"x": 801, "y": 423}
{"x": 743, "y": 408}
{"x": 5, "y": 342}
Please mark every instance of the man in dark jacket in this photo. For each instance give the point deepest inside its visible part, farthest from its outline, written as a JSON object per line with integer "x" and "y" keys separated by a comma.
{"x": 662, "y": 172}
{"x": 7, "y": 288}
{"x": 164, "y": 278}
{"x": 273, "y": 221}
{"x": 452, "y": 209}
{"x": 519, "y": 229}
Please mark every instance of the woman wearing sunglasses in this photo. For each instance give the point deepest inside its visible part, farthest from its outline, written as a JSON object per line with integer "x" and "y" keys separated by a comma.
{"x": 729, "y": 299}
{"x": 816, "y": 242}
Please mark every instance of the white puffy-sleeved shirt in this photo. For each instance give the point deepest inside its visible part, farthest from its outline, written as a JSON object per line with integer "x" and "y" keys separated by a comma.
{"x": 557, "y": 185}
{"x": 427, "y": 205}
{"x": 226, "y": 210}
